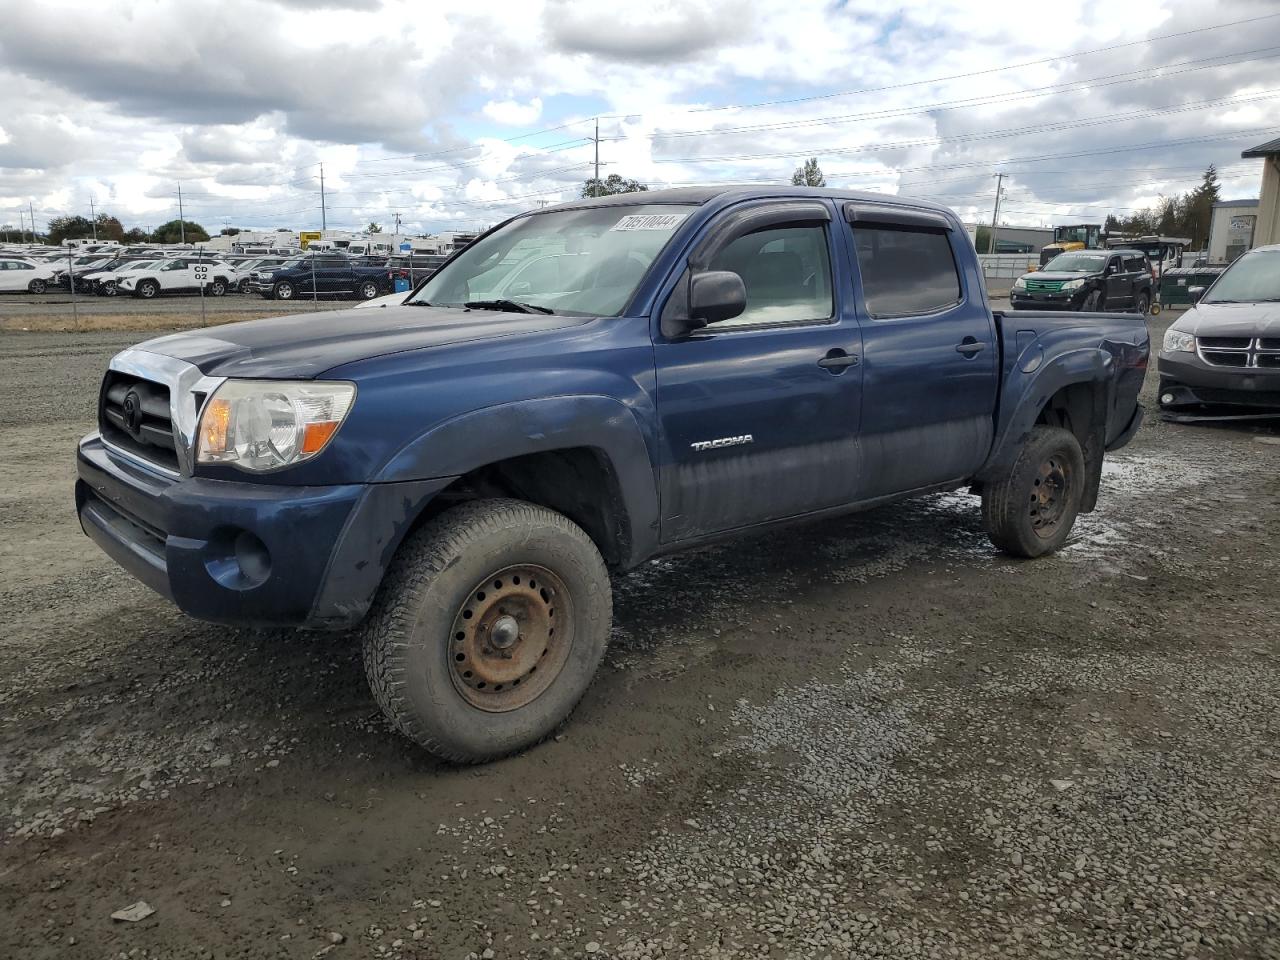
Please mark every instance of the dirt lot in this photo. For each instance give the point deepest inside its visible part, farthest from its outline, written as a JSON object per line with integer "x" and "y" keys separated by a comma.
{"x": 873, "y": 737}
{"x": 50, "y": 312}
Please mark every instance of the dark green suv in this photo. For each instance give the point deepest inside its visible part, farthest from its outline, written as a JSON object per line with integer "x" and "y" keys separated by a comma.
{"x": 1090, "y": 280}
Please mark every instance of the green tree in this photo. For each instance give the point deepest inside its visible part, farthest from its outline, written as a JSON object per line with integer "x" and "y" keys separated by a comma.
{"x": 373, "y": 228}
{"x": 69, "y": 228}
{"x": 230, "y": 231}
{"x": 611, "y": 185}
{"x": 173, "y": 232}
{"x": 136, "y": 235}
{"x": 809, "y": 174}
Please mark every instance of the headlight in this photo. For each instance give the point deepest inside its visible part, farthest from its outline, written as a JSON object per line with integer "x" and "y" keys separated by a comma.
{"x": 1073, "y": 285}
{"x": 1020, "y": 284}
{"x": 262, "y": 425}
{"x": 1175, "y": 341}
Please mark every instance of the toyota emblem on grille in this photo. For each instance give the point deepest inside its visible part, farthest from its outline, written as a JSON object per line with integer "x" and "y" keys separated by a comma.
{"x": 131, "y": 410}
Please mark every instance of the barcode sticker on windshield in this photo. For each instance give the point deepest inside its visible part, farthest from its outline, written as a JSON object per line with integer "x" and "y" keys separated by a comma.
{"x": 650, "y": 221}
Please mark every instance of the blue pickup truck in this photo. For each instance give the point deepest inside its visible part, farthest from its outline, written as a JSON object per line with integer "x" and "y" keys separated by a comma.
{"x": 585, "y": 387}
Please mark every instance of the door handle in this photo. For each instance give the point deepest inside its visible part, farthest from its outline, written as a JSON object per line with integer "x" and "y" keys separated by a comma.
{"x": 969, "y": 346}
{"x": 837, "y": 360}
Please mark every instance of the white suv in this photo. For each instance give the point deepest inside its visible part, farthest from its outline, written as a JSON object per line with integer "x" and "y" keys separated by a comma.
{"x": 179, "y": 275}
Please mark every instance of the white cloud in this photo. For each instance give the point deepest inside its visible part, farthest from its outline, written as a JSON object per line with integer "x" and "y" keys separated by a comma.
{"x": 513, "y": 114}
{"x": 422, "y": 108}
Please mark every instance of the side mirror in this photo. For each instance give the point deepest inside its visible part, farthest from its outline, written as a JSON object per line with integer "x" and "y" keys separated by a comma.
{"x": 1195, "y": 293}
{"x": 716, "y": 296}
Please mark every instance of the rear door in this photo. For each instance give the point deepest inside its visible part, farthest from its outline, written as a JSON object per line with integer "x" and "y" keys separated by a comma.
{"x": 1119, "y": 285}
{"x": 759, "y": 413}
{"x": 11, "y": 277}
{"x": 930, "y": 364}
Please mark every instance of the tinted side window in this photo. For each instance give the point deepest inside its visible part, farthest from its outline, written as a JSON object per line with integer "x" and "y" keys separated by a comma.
{"x": 787, "y": 273}
{"x": 1134, "y": 264}
{"x": 905, "y": 270}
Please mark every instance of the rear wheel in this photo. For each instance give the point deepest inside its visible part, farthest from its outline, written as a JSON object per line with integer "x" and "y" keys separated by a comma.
{"x": 1142, "y": 303}
{"x": 283, "y": 290}
{"x": 218, "y": 287}
{"x": 37, "y": 286}
{"x": 1031, "y": 511}
{"x": 488, "y": 629}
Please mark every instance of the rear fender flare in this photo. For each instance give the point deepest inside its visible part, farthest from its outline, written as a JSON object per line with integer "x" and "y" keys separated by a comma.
{"x": 473, "y": 440}
{"x": 1025, "y": 396}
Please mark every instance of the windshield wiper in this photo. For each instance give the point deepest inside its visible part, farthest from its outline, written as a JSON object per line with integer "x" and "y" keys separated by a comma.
{"x": 508, "y": 305}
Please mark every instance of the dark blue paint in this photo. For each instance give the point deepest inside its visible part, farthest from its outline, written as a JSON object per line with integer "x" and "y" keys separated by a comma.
{"x": 441, "y": 393}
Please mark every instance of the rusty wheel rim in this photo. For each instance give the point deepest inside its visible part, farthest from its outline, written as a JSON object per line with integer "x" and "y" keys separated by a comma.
{"x": 511, "y": 637}
{"x": 1049, "y": 495}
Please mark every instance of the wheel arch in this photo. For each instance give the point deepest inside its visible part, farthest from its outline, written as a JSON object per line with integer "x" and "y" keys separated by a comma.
{"x": 1073, "y": 392}
{"x": 584, "y": 457}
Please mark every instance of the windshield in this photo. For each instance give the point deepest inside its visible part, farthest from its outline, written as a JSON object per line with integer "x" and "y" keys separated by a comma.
{"x": 580, "y": 262}
{"x": 1078, "y": 262}
{"x": 1251, "y": 278}
{"x": 1071, "y": 234}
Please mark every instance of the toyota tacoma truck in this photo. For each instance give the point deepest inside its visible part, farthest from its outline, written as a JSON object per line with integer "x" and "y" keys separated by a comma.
{"x": 458, "y": 477}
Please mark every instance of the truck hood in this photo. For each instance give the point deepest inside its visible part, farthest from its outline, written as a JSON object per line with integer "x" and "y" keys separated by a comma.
{"x": 304, "y": 345}
{"x": 1057, "y": 275}
{"x": 1232, "y": 320}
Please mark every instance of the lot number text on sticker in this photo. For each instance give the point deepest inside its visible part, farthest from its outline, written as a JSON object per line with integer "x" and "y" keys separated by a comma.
{"x": 650, "y": 221}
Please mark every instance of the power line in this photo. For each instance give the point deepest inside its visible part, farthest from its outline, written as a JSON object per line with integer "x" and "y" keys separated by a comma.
{"x": 965, "y": 76}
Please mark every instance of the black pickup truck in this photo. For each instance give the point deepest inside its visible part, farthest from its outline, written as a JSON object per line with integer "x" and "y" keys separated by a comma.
{"x": 322, "y": 274}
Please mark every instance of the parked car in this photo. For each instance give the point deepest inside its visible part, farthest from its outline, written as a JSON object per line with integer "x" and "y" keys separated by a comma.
{"x": 1221, "y": 359}
{"x": 458, "y": 476}
{"x": 178, "y": 275}
{"x": 18, "y": 274}
{"x": 324, "y": 274}
{"x": 106, "y": 283}
{"x": 89, "y": 279}
{"x": 66, "y": 267}
{"x": 243, "y": 278}
{"x": 1088, "y": 280}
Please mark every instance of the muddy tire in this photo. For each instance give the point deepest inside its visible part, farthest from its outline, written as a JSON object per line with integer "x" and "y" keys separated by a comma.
{"x": 1030, "y": 513}
{"x": 488, "y": 629}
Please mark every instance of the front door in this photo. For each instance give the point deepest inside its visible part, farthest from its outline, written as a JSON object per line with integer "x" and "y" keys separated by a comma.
{"x": 760, "y": 413}
{"x": 930, "y": 356}
{"x": 1119, "y": 285}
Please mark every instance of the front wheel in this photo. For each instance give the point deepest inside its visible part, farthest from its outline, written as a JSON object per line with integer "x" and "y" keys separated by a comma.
{"x": 1092, "y": 303}
{"x": 368, "y": 290}
{"x": 147, "y": 289}
{"x": 1031, "y": 511}
{"x": 283, "y": 290}
{"x": 488, "y": 629}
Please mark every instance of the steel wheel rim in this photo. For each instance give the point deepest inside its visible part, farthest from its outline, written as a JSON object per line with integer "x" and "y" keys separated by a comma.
{"x": 511, "y": 638}
{"x": 1049, "y": 494}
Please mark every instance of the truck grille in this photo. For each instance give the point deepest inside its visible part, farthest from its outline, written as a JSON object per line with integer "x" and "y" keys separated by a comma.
{"x": 135, "y": 416}
{"x": 1044, "y": 286}
{"x": 1240, "y": 351}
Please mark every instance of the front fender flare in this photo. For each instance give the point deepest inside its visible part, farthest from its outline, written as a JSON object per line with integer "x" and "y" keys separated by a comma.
{"x": 472, "y": 440}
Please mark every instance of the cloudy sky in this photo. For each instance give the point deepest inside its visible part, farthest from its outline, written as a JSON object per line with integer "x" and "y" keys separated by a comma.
{"x": 456, "y": 115}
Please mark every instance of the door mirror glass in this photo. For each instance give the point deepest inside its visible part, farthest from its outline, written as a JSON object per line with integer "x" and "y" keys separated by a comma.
{"x": 716, "y": 296}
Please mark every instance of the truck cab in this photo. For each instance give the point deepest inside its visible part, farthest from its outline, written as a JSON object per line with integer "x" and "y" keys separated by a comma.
{"x": 456, "y": 478}
{"x": 1078, "y": 236}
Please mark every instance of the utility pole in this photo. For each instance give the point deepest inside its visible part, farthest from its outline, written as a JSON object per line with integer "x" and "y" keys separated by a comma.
{"x": 324, "y": 223}
{"x": 31, "y": 210}
{"x": 597, "y": 142}
{"x": 995, "y": 214}
{"x": 93, "y": 219}
{"x": 22, "y": 227}
{"x": 182, "y": 221}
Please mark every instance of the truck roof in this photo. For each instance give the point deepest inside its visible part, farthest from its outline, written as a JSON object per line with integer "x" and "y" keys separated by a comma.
{"x": 739, "y": 191}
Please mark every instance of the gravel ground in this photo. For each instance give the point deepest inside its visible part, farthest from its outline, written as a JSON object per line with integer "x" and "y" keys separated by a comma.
{"x": 869, "y": 738}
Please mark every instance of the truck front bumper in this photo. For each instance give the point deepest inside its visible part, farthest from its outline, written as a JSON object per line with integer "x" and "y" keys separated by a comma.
{"x": 247, "y": 553}
{"x": 1071, "y": 300}
{"x": 1192, "y": 390}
